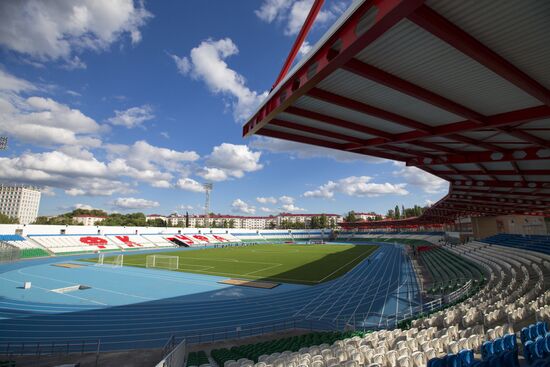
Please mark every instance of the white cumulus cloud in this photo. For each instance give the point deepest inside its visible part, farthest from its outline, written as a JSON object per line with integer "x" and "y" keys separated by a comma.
{"x": 76, "y": 175}
{"x": 52, "y": 30}
{"x": 206, "y": 62}
{"x": 230, "y": 161}
{"x": 42, "y": 121}
{"x": 292, "y": 13}
{"x": 189, "y": 184}
{"x": 239, "y": 206}
{"x": 292, "y": 208}
{"x": 134, "y": 203}
{"x": 266, "y": 200}
{"x": 359, "y": 186}
{"x": 429, "y": 183}
{"x": 132, "y": 117}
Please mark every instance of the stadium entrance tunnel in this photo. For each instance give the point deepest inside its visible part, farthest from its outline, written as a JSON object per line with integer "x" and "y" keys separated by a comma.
{"x": 177, "y": 242}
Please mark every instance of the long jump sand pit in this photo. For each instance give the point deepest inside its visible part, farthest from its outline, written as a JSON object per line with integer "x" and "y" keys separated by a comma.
{"x": 67, "y": 265}
{"x": 250, "y": 283}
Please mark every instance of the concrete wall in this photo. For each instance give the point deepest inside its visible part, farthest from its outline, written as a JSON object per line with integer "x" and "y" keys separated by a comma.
{"x": 514, "y": 224}
{"x": 484, "y": 227}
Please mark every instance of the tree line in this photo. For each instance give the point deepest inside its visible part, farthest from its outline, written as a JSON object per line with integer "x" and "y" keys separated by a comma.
{"x": 395, "y": 213}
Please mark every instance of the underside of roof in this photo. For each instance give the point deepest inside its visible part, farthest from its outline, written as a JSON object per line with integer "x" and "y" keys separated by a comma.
{"x": 459, "y": 89}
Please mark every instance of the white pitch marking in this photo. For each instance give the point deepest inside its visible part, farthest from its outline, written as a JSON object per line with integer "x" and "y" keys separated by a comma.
{"x": 269, "y": 267}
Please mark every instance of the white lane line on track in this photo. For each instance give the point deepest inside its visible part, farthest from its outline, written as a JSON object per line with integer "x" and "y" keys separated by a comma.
{"x": 367, "y": 291}
{"x": 166, "y": 277}
{"x": 349, "y": 262}
{"x": 345, "y": 289}
{"x": 93, "y": 287}
{"x": 340, "y": 287}
{"x": 348, "y": 276}
{"x": 399, "y": 263}
{"x": 357, "y": 289}
{"x": 63, "y": 294}
{"x": 374, "y": 299}
{"x": 397, "y": 290}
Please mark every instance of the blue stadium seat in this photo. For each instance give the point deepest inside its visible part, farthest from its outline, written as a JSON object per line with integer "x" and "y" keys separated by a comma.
{"x": 498, "y": 345}
{"x": 546, "y": 347}
{"x": 487, "y": 350}
{"x": 466, "y": 357}
{"x": 452, "y": 360}
{"x": 533, "y": 350}
{"x": 525, "y": 335}
{"x": 510, "y": 342}
{"x": 533, "y": 331}
{"x": 542, "y": 328}
{"x": 494, "y": 361}
{"x": 436, "y": 362}
{"x": 509, "y": 359}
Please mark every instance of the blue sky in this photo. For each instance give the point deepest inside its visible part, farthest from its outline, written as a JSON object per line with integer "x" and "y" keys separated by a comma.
{"x": 128, "y": 106}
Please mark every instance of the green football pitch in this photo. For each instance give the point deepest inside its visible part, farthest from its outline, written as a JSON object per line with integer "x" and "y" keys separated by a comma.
{"x": 304, "y": 264}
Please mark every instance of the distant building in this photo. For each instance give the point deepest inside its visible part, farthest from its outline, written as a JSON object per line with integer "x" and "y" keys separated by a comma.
{"x": 21, "y": 202}
{"x": 240, "y": 221}
{"x": 368, "y": 216}
{"x": 155, "y": 216}
{"x": 87, "y": 220}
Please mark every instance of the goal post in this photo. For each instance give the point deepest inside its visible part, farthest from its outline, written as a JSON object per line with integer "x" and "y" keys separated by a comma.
{"x": 118, "y": 261}
{"x": 162, "y": 262}
{"x": 100, "y": 259}
{"x": 114, "y": 261}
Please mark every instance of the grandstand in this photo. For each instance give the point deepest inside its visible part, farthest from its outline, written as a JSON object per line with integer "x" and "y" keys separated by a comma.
{"x": 27, "y": 248}
{"x": 448, "y": 271}
{"x": 458, "y": 89}
{"x": 533, "y": 243}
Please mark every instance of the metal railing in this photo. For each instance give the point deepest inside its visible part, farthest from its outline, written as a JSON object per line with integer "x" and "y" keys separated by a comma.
{"x": 53, "y": 348}
{"x": 376, "y": 321}
{"x": 250, "y": 330}
{"x": 176, "y": 354}
{"x": 9, "y": 253}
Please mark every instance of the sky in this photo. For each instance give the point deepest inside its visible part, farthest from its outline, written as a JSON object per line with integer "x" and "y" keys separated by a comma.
{"x": 130, "y": 106}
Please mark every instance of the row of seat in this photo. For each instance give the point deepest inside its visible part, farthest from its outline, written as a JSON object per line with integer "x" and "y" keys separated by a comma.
{"x": 533, "y": 243}
{"x": 448, "y": 271}
{"x": 536, "y": 341}
{"x": 254, "y": 351}
{"x": 27, "y": 248}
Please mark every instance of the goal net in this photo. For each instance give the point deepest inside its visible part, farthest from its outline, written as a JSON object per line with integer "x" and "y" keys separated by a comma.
{"x": 115, "y": 261}
{"x": 162, "y": 262}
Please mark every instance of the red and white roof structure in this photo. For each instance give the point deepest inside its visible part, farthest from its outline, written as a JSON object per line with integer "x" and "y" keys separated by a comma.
{"x": 460, "y": 89}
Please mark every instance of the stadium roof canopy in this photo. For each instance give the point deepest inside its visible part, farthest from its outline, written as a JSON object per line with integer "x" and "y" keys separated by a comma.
{"x": 459, "y": 89}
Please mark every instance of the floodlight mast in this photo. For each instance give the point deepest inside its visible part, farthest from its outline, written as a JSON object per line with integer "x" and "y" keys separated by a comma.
{"x": 3, "y": 142}
{"x": 207, "y": 186}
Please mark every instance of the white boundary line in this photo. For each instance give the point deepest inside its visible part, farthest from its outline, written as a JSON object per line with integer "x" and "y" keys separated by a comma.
{"x": 63, "y": 294}
{"x": 344, "y": 266}
{"x": 93, "y": 287}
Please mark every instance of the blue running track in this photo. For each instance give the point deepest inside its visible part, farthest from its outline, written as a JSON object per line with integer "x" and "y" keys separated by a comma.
{"x": 137, "y": 308}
